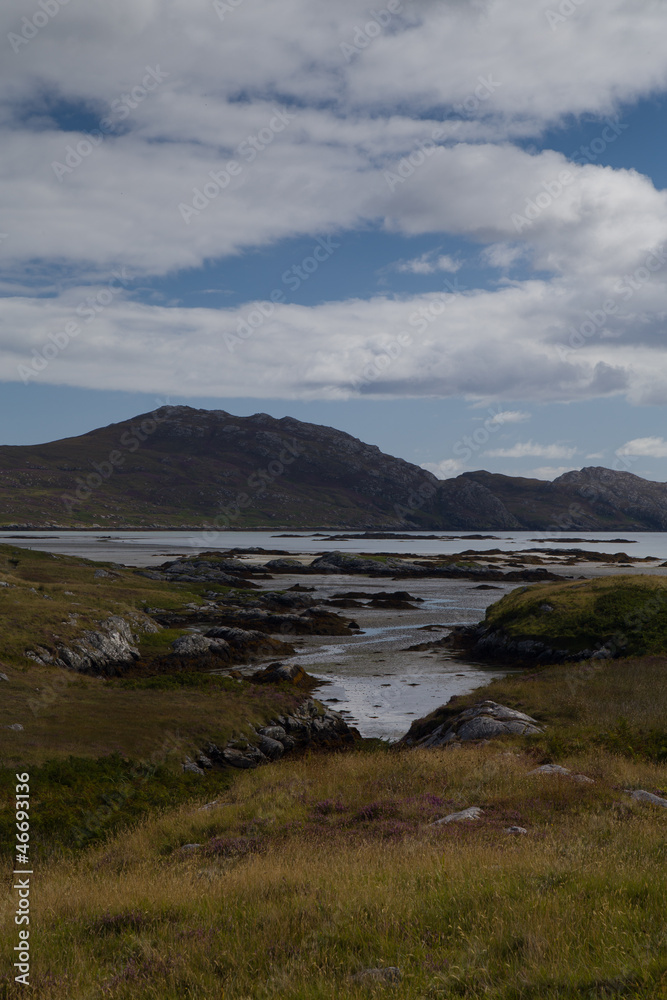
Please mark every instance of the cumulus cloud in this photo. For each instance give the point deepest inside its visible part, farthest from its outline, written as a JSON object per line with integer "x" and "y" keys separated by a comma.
{"x": 503, "y": 255}
{"x": 326, "y": 140}
{"x": 647, "y": 447}
{"x": 525, "y": 449}
{"x": 481, "y": 346}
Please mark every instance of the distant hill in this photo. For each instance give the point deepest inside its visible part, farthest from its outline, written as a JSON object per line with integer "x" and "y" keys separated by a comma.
{"x": 183, "y": 467}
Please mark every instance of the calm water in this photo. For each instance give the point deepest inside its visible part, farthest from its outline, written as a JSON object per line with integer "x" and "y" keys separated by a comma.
{"x": 146, "y": 548}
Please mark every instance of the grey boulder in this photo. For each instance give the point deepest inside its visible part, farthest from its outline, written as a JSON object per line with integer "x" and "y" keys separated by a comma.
{"x": 198, "y": 645}
{"x": 640, "y": 795}
{"x": 472, "y": 812}
{"x": 483, "y": 721}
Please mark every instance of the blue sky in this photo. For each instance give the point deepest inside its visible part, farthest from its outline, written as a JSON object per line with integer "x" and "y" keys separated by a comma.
{"x": 439, "y": 227}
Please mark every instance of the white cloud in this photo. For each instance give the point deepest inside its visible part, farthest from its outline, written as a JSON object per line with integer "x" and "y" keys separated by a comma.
{"x": 326, "y": 171}
{"x": 648, "y": 447}
{"x": 429, "y": 263}
{"x": 448, "y": 468}
{"x": 548, "y": 472}
{"x": 503, "y": 255}
{"x": 526, "y": 449}
{"x": 480, "y": 345}
{"x": 509, "y": 417}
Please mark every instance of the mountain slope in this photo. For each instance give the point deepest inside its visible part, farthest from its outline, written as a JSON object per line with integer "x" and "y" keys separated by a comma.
{"x": 180, "y": 466}
{"x": 592, "y": 499}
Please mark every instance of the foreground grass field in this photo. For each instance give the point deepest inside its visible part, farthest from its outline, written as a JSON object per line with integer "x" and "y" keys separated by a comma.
{"x": 310, "y": 871}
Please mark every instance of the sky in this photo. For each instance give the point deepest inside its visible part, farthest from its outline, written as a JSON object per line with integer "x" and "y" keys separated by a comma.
{"x": 438, "y": 225}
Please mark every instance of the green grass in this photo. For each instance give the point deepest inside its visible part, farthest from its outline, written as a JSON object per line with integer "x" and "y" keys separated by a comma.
{"x": 51, "y": 599}
{"x": 315, "y": 868}
{"x": 629, "y": 612}
{"x": 81, "y": 801}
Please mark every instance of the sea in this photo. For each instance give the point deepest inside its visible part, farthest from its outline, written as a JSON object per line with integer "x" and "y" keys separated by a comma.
{"x": 373, "y": 677}
{"x": 147, "y": 548}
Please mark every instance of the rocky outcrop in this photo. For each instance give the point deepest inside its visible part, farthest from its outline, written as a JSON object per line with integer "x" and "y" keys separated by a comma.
{"x": 198, "y": 645}
{"x": 312, "y": 621}
{"x": 278, "y": 673}
{"x": 311, "y": 726}
{"x": 107, "y": 650}
{"x": 484, "y": 721}
{"x": 215, "y": 569}
{"x": 459, "y": 567}
{"x": 217, "y": 649}
{"x": 250, "y": 644}
{"x": 488, "y": 643}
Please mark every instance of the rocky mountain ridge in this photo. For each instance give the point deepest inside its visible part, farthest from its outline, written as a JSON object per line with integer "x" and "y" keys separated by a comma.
{"x": 181, "y": 467}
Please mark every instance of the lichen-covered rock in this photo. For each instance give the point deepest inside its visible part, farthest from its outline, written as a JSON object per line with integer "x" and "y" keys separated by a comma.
{"x": 311, "y": 726}
{"x": 249, "y": 643}
{"x": 640, "y": 795}
{"x": 196, "y": 645}
{"x": 235, "y": 758}
{"x": 483, "y": 721}
{"x": 462, "y": 816}
{"x": 272, "y": 749}
{"x": 105, "y": 651}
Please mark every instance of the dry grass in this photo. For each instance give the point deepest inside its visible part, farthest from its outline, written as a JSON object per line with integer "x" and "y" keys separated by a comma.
{"x": 312, "y": 870}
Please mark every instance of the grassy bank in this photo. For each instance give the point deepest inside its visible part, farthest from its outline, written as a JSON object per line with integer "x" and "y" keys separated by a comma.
{"x": 104, "y": 751}
{"x": 627, "y": 612}
{"x": 311, "y": 870}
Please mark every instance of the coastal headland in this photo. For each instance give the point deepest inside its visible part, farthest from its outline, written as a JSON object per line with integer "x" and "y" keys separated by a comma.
{"x": 213, "y": 721}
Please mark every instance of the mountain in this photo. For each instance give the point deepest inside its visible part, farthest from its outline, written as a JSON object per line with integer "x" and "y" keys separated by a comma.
{"x": 183, "y": 467}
